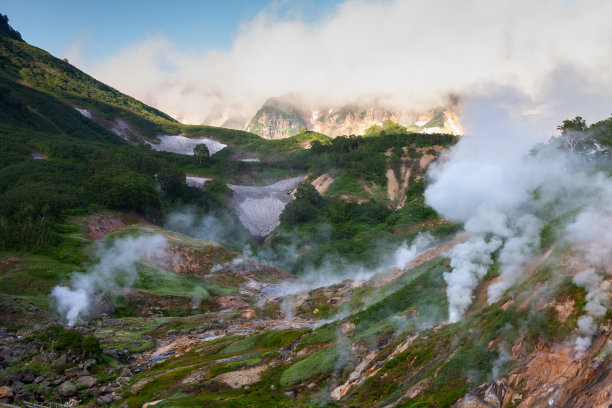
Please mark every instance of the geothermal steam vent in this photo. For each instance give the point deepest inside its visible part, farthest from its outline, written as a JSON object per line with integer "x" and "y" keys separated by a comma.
{"x": 259, "y": 207}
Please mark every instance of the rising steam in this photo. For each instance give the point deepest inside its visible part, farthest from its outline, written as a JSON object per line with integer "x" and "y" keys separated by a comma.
{"x": 406, "y": 54}
{"x": 116, "y": 269}
{"x": 504, "y": 193}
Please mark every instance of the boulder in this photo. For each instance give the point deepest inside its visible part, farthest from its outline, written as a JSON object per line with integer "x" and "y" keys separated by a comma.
{"x": 88, "y": 364}
{"x": 60, "y": 361}
{"x": 39, "y": 379}
{"x": 67, "y": 389}
{"x": 105, "y": 390}
{"x": 86, "y": 380}
{"x": 24, "y": 395}
{"x": 28, "y": 378}
{"x": 72, "y": 372}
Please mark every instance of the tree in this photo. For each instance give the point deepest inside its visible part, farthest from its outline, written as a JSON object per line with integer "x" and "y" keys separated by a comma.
{"x": 201, "y": 152}
{"x": 573, "y": 133}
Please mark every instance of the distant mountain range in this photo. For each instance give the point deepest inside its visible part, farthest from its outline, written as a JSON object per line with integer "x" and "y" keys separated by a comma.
{"x": 282, "y": 117}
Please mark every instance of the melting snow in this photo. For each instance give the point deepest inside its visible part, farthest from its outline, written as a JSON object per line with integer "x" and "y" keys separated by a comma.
{"x": 185, "y": 145}
{"x": 250, "y": 160}
{"x": 420, "y": 123}
{"x": 85, "y": 113}
{"x": 199, "y": 182}
{"x": 259, "y": 207}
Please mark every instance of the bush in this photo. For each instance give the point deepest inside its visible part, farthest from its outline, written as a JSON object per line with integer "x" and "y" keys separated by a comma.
{"x": 58, "y": 337}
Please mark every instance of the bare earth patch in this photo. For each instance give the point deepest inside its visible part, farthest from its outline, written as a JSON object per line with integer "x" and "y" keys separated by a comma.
{"x": 238, "y": 379}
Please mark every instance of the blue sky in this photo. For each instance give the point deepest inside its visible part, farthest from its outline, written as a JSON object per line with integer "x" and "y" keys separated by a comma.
{"x": 101, "y": 28}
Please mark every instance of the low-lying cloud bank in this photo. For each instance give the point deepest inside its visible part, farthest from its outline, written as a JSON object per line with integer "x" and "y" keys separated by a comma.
{"x": 406, "y": 54}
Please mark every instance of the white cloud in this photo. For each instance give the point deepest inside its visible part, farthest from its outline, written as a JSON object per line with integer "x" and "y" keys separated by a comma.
{"x": 408, "y": 53}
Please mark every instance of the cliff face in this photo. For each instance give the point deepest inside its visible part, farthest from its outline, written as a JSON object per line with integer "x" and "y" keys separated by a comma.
{"x": 276, "y": 120}
{"x": 281, "y": 118}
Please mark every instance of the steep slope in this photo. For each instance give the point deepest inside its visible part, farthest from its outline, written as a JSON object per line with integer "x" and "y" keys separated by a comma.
{"x": 276, "y": 119}
{"x": 23, "y": 63}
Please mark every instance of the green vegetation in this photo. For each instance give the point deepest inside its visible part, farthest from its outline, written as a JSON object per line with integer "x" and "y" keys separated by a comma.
{"x": 316, "y": 365}
{"x": 59, "y": 338}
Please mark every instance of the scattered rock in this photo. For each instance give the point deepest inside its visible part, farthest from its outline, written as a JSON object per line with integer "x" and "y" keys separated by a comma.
{"x": 126, "y": 372}
{"x": 67, "y": 389}
{"x": 290, "y": 394}
{"x": 39, "y": 379}
{"x": 87, "y": 380}
{"x": 272, "y": 388}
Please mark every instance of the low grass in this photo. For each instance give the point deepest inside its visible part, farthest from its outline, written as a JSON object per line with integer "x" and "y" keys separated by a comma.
{"x": 316, "y": 365}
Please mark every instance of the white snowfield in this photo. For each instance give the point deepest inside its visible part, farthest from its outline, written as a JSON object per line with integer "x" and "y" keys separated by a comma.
{"x": 259, "y": 207}
{"x": 199, "y": 182}
{"x": 185, "y": 145}
{"x": 85, "y": 112}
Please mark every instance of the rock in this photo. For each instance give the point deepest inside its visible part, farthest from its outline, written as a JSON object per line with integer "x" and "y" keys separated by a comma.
{"x": 272, "y": 388}
{"x": 29, "y": 378}
{"x": 105, "y": 390}
{"x": 107, "y": 399}
{"x": 6, "y": 392}
{"x": 87, "y": 380}
{"x": 72, "y": 372}
{"x": 122, "y": 380}
{"x": 111, "y": 352}
{"x": 126, "y": 372}
{"x": 67, "y": 389}
{"x": 171, "y": 332}
{"x": 24, "y": 395}
{"x": 88, "y": 364}
{"x": 60, "y": 361}
{"x": 57, "y": 382}
{"x": 39, "y": 379}
{"x": 290, "y": 394}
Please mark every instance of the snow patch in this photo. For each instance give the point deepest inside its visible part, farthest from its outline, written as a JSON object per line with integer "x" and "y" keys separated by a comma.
{"x": 259, "y": 207}
{"x": 85, "y": 113}
{"x": 199, "y": 182}
{"x": 185, "y": 145}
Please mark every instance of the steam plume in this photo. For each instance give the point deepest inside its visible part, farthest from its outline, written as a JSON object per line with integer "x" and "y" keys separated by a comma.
{"x": 503, "y": 194}
{"x": 115, "y": 269}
